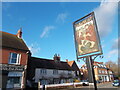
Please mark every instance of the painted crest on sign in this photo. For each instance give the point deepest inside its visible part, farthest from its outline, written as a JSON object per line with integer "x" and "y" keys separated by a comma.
{"x": 86, "y": 36}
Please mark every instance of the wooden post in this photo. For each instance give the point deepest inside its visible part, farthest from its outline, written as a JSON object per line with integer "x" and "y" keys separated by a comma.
{"x": 39, "y": 85}
{"x": 43, "y": 87}
{"x": 90, "y": 69}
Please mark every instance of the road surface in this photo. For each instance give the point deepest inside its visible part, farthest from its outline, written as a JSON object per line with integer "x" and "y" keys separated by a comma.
{"x": 101, "y": 86}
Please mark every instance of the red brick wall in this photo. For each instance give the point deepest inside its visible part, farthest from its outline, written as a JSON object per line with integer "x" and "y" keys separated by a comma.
{"x": 6, "y": 53}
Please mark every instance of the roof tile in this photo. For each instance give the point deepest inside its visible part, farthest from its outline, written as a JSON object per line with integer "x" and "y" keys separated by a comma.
{"x": 12, "y": 41}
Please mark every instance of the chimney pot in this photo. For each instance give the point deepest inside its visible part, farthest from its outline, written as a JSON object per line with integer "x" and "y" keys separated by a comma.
{"x": 19, "y": 33}
{"x": 56, "y": 57}
{"x": 66, "y": 60}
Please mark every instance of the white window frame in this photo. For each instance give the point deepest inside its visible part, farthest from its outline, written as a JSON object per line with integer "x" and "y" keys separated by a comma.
{"x": 99, "y": 71}
{"x": 77, "y": 72}
{"x": 103, "y": 71}
{"x": 17, "y": 59}
{"x": 55, "y": 72}
{"x": 110, "y": 72}
{"x": 69, "y": 72}
{"x": 43, "y": 71}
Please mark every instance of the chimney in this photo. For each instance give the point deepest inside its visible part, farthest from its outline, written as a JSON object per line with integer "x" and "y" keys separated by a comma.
{"x": 66, "y": 60}
{"x": 19, "y": 33}
{"x": 56, "y": 57}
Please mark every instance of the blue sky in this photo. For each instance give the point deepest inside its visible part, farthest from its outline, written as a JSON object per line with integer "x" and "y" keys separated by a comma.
{"x": 47, "y": 26}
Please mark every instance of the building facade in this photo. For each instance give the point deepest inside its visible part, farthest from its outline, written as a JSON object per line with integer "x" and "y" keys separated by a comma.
{"x": 102, "y": 72}
{"x": 13, "y": 62}
{"x": 54, "y": 71}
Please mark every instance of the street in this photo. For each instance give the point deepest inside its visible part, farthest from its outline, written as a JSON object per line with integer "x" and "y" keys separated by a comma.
{"x": 101, "y": 86}
{"x": 106, "y": 85}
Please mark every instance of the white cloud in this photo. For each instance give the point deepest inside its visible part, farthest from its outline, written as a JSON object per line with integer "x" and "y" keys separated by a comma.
{"x": 116, "y": 43}
{"x": 113, "y": 53}
{"x": 34, "y": 48}
{"x": 114, "y": 49}
{"x": 46, "y": 30}
{"x": 105, "y": 14}
{"x": 61, "y": 17}
{"x": 103, "y": 46}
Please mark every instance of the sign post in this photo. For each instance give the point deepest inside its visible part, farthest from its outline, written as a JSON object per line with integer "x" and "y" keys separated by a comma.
{"x": 91, "y": 74}
{"x": 89, "y": 68}
{"x": 87, "y": 42}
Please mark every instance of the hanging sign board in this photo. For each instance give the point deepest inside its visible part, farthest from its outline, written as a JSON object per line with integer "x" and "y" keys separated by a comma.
{"x": 86, "y": 35}
{"x": 7, "y": 67}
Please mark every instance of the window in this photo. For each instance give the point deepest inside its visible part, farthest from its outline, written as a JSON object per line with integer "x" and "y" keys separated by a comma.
{"x": 99, "y": 71}
{"x": 14, "y": 58}
{"x": 77, "y": 72}
{"x": 104, "y": 66}
{"x": 95, "y": 66}
{"x": 43, "y": 71}
{"x": 55, "y": 71}
{"x": 106, "y": 72}
{"x": 69, "y": 72}
{"x": 103, "y": 71}
{"x": 43, "y": 82}
{"x": 110, "y": 72}
{"x": 14, "y": 80}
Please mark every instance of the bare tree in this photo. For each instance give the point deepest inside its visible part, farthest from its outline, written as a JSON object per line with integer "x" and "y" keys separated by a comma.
{"x": 113, "y": 66}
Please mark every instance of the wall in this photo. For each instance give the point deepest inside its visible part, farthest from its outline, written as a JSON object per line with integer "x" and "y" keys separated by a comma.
{"x": 6, "y": 53}
{"x": 50, "y": 74}
{"x": 102, "y": 73}
{"x": 5, "y": 59}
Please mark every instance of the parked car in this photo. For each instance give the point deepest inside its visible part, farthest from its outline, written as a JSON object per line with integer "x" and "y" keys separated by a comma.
{"x": 98, "y": 81}
{"x": 116, "y": 82}
{"x": 85, "y": 82}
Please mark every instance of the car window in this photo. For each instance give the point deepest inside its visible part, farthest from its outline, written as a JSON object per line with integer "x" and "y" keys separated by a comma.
{"x": 115, "y": 81}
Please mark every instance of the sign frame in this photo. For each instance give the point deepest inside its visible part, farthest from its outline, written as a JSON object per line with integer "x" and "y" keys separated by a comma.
{"x": 7, "y": 67}
{"x": 99, "y": 52}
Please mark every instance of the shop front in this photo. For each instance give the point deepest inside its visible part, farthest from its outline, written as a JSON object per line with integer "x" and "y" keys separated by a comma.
{"x": 12, "y": 76}
{"x": 14, "y": 80}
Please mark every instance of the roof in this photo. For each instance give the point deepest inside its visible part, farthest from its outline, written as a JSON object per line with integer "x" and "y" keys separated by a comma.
{"x": 12, "y": 41}
{"x": 35, "y": 62}
{"x": 95, "y": 62}
{"x": 70, "y": 63}
{"x": 84, "y": 65}
{"x": 48, "y": 64}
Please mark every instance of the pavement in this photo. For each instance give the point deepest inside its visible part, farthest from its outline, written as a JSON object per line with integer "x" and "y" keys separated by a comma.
{"x": 105, "y": 85}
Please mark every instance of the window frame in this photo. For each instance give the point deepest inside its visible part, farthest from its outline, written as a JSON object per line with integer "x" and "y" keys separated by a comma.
{"x": 43, "y": 71}
{"x": 99, "y": 71}
{"x": 55, "y": 72}
{"x": 103, "y": 71}
{"x": 17, "y": 58}
{"x": 69, "y": 72}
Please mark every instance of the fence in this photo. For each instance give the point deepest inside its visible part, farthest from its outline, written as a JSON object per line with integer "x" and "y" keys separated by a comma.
{"x": 58, "y": 86}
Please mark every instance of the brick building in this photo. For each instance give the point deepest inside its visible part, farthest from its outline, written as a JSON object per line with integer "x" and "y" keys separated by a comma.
{"x": 13, "y": 62}
{"x": 102, "y": 72}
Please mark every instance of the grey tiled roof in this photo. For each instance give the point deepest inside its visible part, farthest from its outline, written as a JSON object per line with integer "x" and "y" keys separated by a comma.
{"x": 12, "y": 41}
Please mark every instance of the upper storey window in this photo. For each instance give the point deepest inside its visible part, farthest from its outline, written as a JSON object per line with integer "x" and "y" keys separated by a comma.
{"x": 14, "y": 58}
